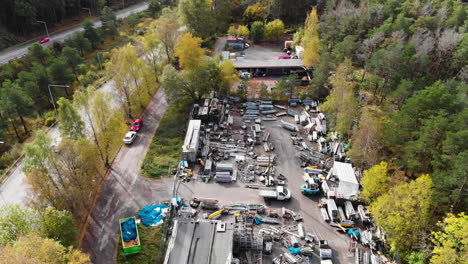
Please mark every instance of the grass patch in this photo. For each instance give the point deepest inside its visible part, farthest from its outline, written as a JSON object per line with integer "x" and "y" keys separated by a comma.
{"x": 164, "y": 151}
{"x": 150, "y": 237}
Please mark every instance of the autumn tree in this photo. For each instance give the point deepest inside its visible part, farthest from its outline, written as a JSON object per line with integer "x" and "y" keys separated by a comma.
{"x": 59, "y": 226}
{"x": 341, "y": 104}
{"x": 243, "y": 31}
{"x": 83, "y": 101}
{"x": 193, "y": 84}
{"x": 375, "y": 182}
{"x": 124, "y": 66}
{"x": 367, "y": 140}
{"x": 274, "y": 30}
{"x": 152, "y": 46}
{"x": 189, "y": 51}
{"x": 166, "y": 31}
{"x": 229, "y": 75}
{"x": 71, "y": 124}
{"x": 232, "y": 31}
{"x": 110, "y": 126}
{"x": 64, "y": 176}
{"x": 451, "y": 244}
{"x": 16, "y": 221}
{"x": 32, "y": 248}
{"x": 310, "y": 40}
{"x": 405, "y": 213}
{"x": 257, "y": 31}
{"x": 255, "y": 12}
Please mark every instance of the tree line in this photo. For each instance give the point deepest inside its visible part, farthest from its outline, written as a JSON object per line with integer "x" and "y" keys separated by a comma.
{"x": 24, "y": 82}
{"x": 392, "y": 75}
{"x": 20, "y": 17}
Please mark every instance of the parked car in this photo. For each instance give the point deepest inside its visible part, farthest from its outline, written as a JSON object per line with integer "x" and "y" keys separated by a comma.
{"x": 129, "y": 137}
{"x": 136, "y": 126}
{"x": 284, "y": 57}
{"x": 44, "y": 40}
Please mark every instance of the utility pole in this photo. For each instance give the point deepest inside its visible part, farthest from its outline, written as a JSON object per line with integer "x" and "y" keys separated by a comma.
{"x": 45, "y": 24}
{"x": 50, "y": 92}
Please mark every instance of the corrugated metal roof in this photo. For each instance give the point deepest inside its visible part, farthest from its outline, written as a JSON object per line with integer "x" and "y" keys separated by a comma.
{"x": 348, "y": 185}
{"x": 272, "y": 63}
{"x": 344, "y": 172}
{"x": 192, "y": 136}
{"x": 194, "y": 242}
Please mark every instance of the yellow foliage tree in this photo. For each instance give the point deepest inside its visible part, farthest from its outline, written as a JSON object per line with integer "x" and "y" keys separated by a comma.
{"x": 375, "y": 182}
{"x": 341, "y": 104}
{"x": 367, "y": 138}
{"x": 255, "y": 13}
{"x": 228, "y": 73}
{"x": 243, "y": 31}
{"x": 32, "y": 249}
{"x": 189, "y": 51}
{"x": 232, "y": 31}
{"x": 404, "y": 213}
{"x": 274, "y": 29}
{"x": 310, "y": 40}
{"x": 451, "y": 244}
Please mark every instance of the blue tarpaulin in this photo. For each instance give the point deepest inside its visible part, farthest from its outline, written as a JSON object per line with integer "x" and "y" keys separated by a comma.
{"x": 352, "y": 232}
{"x": 258, "y": 220}
{"x": 294, "y": 251}
{"x": 151, "y": 215}
{"x": 129, "y": 230}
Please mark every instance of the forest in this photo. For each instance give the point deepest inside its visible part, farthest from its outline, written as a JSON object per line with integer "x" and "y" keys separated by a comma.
{"x": 398, "y": 96}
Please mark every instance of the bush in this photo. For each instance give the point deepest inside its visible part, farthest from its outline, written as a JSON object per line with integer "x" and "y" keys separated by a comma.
{"x": 257, "y": 32}
{"x": 274, "y": 30}
{"x": 49, "y": 118}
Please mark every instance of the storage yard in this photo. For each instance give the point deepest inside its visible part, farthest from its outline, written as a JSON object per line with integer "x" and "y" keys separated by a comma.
{"x": 264, "y": 173}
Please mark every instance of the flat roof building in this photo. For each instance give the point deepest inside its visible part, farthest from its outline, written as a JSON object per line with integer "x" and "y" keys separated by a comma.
{"x": 348, "y": 186}
{"x": 202, "y": 241}
{"x": 192, "y": 141}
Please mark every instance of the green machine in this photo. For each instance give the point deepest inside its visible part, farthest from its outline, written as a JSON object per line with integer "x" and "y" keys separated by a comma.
{"x": 130, "y": 237}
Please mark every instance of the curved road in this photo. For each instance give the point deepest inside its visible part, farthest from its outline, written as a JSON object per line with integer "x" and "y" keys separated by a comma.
{"x": 22, "y": 49}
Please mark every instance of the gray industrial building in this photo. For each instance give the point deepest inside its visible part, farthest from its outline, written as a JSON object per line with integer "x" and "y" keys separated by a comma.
{"x": 192, "y": 141}
{"x": 202, "y": 241}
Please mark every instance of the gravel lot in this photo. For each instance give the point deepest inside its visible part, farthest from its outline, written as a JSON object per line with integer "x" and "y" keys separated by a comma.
{"x": 287, "y": 164}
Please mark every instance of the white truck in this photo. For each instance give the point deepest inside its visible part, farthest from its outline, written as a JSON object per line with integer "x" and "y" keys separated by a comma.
{"x": 325, "y": 251}
{"x": 279, "y": 193}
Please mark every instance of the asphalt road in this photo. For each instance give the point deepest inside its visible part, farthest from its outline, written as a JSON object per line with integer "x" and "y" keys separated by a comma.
{"x": 22, "y": 49}
{"x": 15, "y": 190}
{"x": 125, "y": 192}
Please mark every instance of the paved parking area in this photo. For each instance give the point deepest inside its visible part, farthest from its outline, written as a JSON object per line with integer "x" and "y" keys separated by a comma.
{"x": 287, "y": 164}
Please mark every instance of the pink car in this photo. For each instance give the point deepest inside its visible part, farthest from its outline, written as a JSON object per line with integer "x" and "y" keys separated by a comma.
{"x": 136, "y": 126}
{"x": 284, "y": 57}
{"x": 44, "y": 40}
